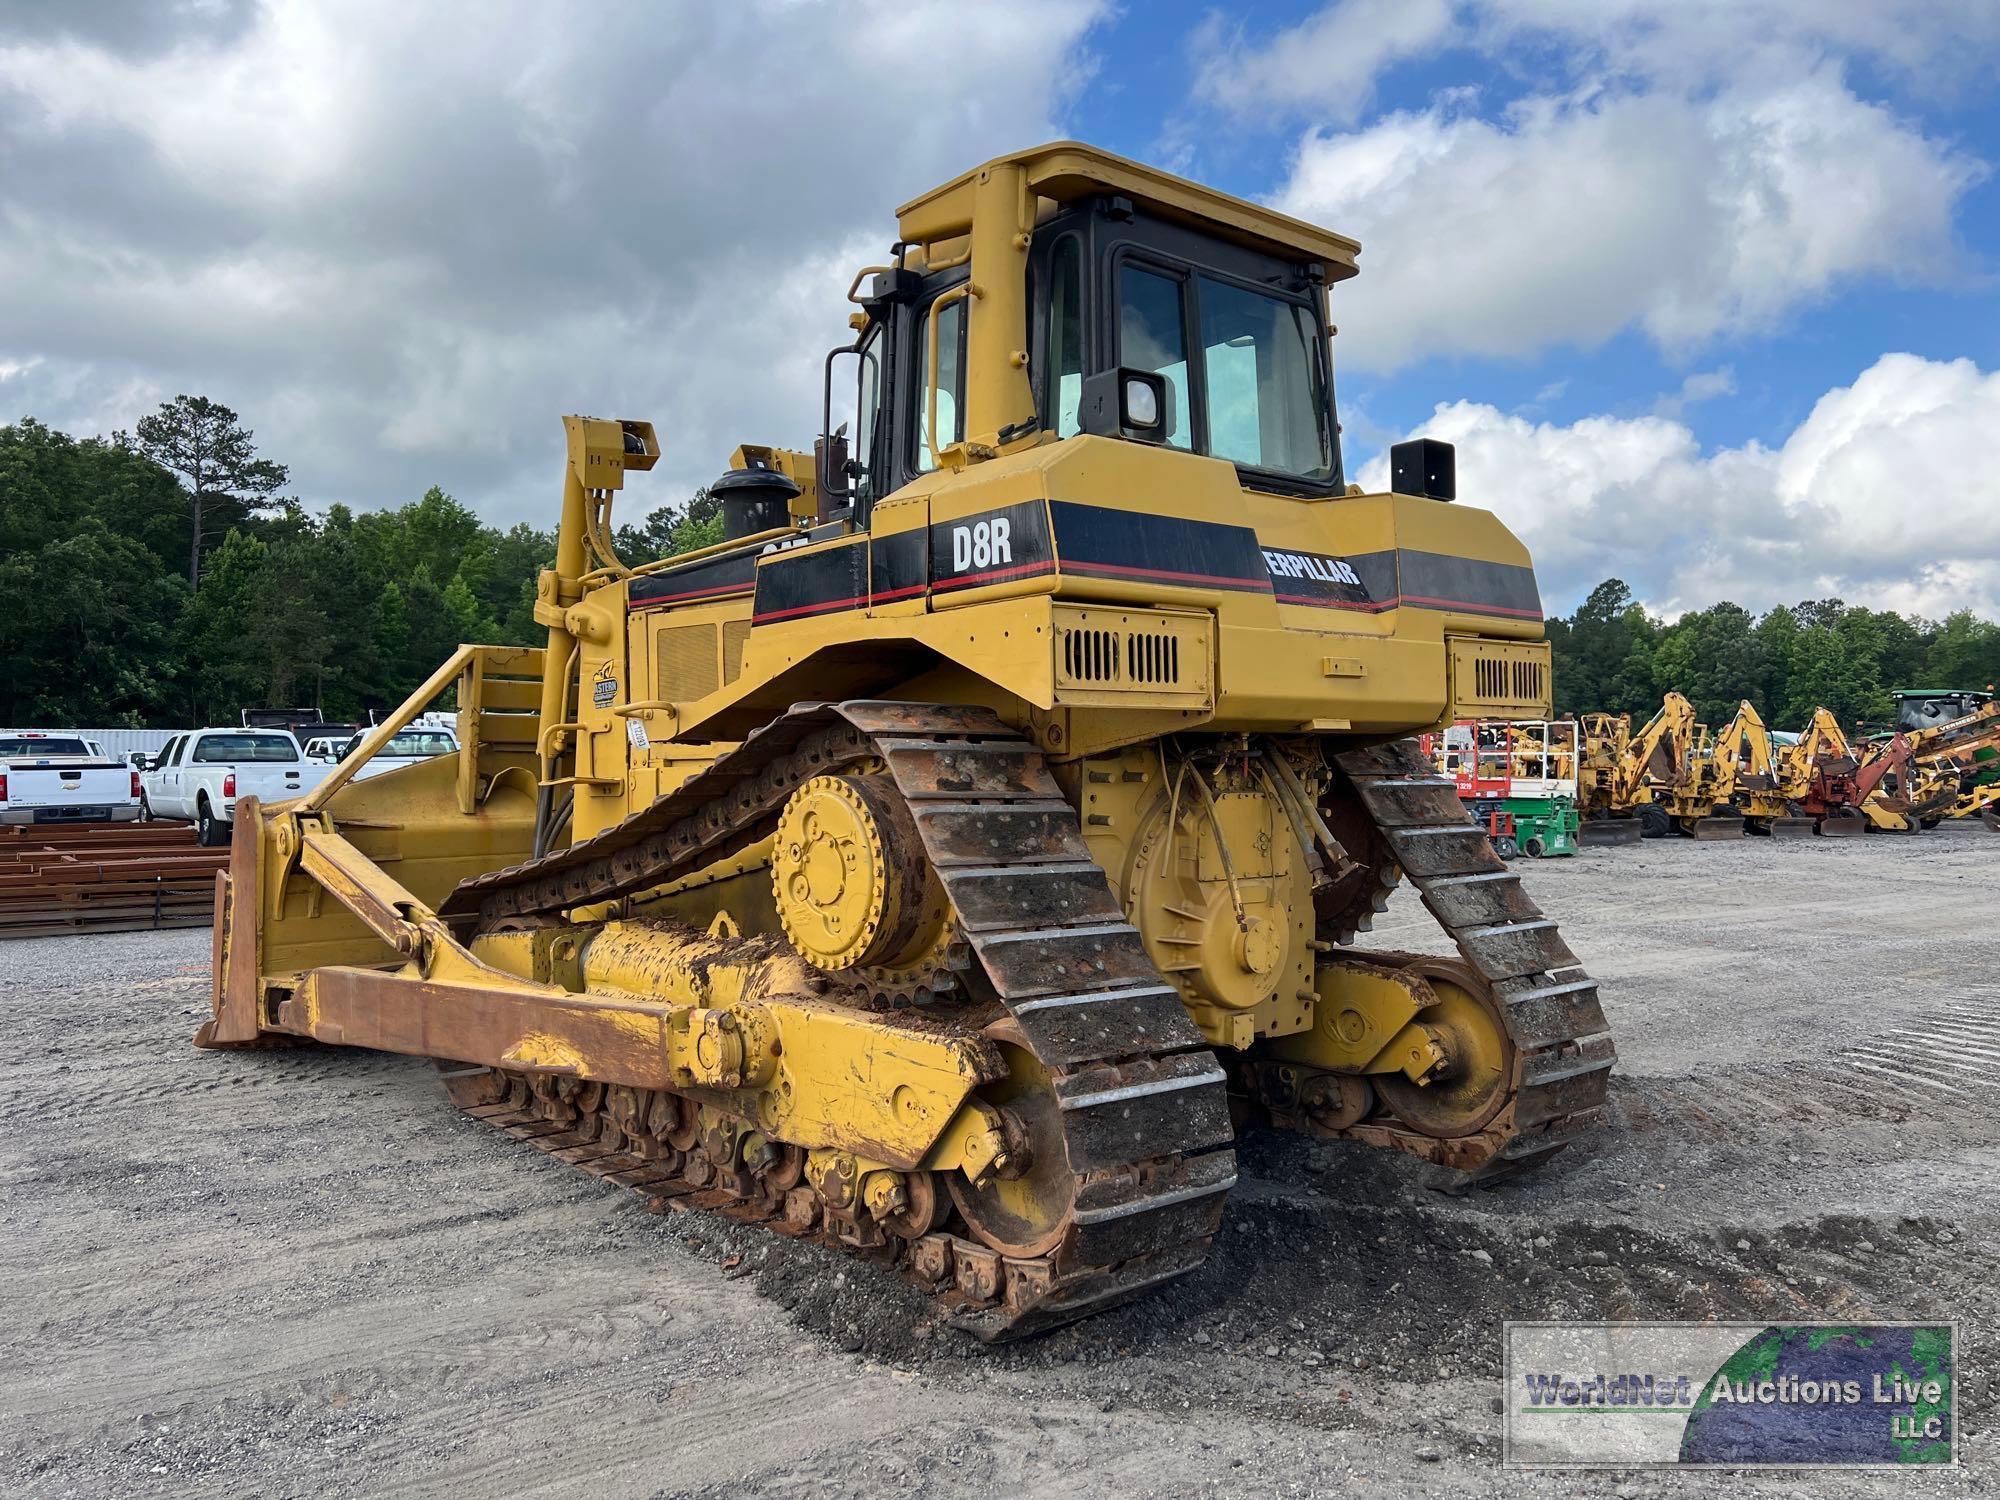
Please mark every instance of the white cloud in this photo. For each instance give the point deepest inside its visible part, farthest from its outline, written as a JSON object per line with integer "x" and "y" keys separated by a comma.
{"x": 1694, "y": 170}
{"x": 1569, "y": 220}
{"x": 1329, "y": 61}
{"x": 1880, "y": 496}
{"x": 403, "y": 239}
{"x": 1702, "y": 385}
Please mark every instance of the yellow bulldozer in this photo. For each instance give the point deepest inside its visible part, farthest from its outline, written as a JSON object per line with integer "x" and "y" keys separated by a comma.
{"x": 950, "y": 862}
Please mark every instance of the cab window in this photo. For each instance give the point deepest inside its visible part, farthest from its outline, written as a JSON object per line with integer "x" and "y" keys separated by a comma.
{"x": 950, "y": 381}
{"x": 1152, "y": 335}
{"x": 867, "y": 419}
{"x": 1262, "y": 381}
{"x": 1066, "y": 335}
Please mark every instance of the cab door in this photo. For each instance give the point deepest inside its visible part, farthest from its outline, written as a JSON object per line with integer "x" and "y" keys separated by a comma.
{"x": 166, "y": 798}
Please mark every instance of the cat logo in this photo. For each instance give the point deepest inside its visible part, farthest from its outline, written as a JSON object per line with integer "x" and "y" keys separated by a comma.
{"x": 986, "y": 544}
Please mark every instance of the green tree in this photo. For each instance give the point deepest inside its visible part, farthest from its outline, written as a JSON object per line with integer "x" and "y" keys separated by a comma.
{"x": 671, "y": 530}
{"x": 1603, "y": 654}
{"x": 203, "y": 442}
{"x": 87, "y": 634}
{"x": 1964, "y": 654}
{"x": 1714, "y": 657}
{"x": 224, "y": 631}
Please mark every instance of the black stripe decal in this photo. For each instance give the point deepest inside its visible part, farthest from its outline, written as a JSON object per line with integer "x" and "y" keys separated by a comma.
{"x": 899, "y": 566}
{"x": 1102, "y": 543}
{"x": 995, "y": 546}
{"x": 791, "y": 584}
{"x": 714, "y": 579}
{"x": 1372, "y": 582}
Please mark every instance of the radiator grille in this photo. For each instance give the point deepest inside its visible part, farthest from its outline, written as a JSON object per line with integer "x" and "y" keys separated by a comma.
{"x": 686, "y": 658}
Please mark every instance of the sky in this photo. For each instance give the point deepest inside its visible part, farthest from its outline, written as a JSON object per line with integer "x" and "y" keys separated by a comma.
{"x": 1703, "y": 290}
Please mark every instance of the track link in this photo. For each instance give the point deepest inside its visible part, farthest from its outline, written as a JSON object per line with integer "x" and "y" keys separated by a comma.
{"x": 1142, "y": 1101}
{"x": 1548, "y": 1004}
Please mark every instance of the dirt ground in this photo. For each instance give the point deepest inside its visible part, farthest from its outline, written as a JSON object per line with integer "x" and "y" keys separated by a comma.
{"x": 301, "y": 1273}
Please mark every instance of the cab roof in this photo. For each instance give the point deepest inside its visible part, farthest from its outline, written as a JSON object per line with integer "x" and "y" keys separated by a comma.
{"x": 1068, "y": 170}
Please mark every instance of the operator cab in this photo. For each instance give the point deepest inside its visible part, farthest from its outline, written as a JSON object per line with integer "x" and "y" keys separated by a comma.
{"x": 1155, "y": 312}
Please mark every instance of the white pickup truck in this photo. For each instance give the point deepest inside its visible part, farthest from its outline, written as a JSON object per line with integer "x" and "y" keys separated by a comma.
{"x": 199, "y": 776}
{"x": 63, "y": 778}
{"x": 405, "y": 748}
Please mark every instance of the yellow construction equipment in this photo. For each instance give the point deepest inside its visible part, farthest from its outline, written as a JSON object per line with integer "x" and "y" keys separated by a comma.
{"x": 1952, "y": 766}
{"x": 1651, "y": 780}
{"x": 936, "y": 863}
{"x": 1848, "y": 792}
{"x": 1739, "y": 772}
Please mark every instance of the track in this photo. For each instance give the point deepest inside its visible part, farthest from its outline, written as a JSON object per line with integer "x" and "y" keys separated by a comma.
{"x": 1547, "y": 1003}
{"x": 1139, "y": 1118}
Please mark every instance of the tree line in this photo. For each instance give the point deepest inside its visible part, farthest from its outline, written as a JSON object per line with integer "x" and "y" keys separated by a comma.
{"x": 160, "y": 579}
{"x": 1611, "y": 655}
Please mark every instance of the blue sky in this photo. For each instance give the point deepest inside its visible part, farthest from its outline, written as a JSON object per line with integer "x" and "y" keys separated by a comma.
{"x": 1139, "y": 104}
{"x": 1704, "y": 290}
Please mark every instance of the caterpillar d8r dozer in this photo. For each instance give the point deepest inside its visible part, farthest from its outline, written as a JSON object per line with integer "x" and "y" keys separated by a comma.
{"x": 936, "y": 865}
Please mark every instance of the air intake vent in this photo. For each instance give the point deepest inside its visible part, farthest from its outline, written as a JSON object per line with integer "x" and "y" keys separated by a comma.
{"x": 686, "y": 662}
{"x": 1507, "y": 681}
{"x": 1113, "y": 658}
{"x": 1090, "y": 656}
{"x": 1153, "y": 660}
{"x": 1500, "y": 679}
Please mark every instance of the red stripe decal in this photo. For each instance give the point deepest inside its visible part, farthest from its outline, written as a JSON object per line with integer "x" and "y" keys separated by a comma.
{"x": 824, "y": 606}
{"x": 714, "y": 590}
{"x": 1172, "y": 575}
{"x": 994, "y": 575}
{"x": 1415, "y": 600}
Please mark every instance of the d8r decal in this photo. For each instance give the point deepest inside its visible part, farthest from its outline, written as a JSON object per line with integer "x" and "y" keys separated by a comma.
{"x": 984, "y": 544}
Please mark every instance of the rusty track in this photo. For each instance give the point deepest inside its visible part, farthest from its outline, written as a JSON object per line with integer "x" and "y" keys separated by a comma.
{"x": 1548, "y": 1004}
{"x": 1143, "y": 1115}
{"x": 105, "y": 878}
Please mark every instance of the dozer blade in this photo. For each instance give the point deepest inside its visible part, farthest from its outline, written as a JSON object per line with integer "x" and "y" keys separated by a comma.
{"x": 1789, "y": 828}
{"x": 1991, "y": 818}
{"x": 1843, "y": 826}
{"x": 1714, "y": 830}
{"x": 1609, "y": 833}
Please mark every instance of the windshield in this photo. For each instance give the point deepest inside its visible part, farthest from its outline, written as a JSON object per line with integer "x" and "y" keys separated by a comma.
{"x": 411, "y": 742}
{"x": 42, "y": 745}
{"x": 1257, "y": 368}
{"x": 225, "y": 748}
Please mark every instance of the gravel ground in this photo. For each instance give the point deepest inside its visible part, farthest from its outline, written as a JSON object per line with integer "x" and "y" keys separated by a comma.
{"x": 301, "y": 1273}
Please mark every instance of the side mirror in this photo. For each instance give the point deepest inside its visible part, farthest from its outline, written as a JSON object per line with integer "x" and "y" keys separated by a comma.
{"x": 830, "y": 468}
{"x": 1134, "y": 404}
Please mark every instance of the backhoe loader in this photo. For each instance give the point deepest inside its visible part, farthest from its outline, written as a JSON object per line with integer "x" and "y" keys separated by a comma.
{"x": 1739, "y": 772}
{"x": 1655, "y": 780}
{"x": 1954, "y": 762}
{"x": 1847, "y": 793}
{"x": 946, "y": 863}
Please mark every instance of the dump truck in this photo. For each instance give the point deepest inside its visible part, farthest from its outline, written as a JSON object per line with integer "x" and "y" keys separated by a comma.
{"x": 952, "y": 860}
